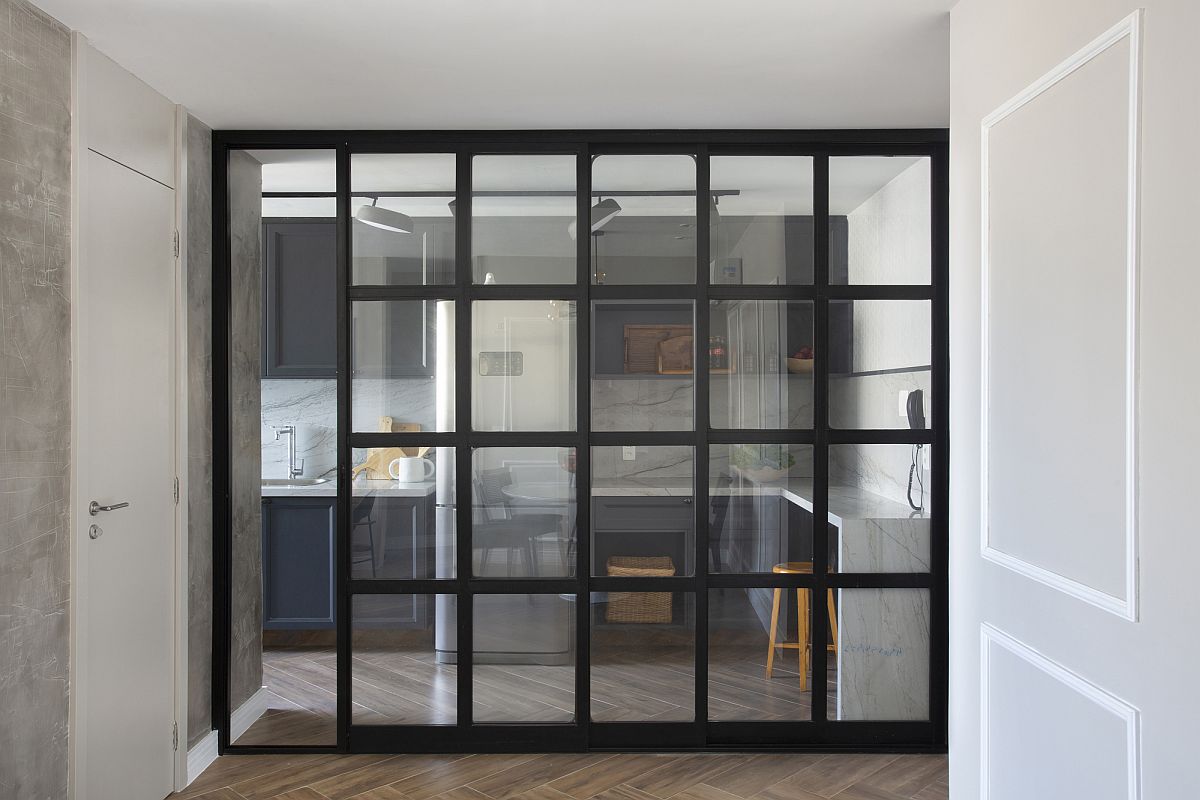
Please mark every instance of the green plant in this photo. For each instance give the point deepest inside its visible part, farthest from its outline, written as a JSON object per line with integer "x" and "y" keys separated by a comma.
{"x": 762, "y": 456}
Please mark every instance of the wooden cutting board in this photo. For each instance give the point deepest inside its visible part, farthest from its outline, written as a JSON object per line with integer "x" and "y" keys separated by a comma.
{"x": 378, "y": 458}
{"x": 642, "y": 341}
{"x": 675, "y": 356}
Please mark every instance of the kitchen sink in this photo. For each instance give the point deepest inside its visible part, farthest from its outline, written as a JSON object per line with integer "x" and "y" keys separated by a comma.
{"x": 293, "y": 481}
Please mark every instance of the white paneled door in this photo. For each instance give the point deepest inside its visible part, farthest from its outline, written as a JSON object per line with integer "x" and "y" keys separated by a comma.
{"x": 1074, "y": 438}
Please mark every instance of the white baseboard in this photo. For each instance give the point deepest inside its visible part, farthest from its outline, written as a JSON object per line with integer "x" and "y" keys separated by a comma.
{"x": 200, "y": 757}
{"x": 247, "y": 713}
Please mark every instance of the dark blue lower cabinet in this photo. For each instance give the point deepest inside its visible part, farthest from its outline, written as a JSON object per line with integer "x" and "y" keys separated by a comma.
{"x": 298, "y": 563}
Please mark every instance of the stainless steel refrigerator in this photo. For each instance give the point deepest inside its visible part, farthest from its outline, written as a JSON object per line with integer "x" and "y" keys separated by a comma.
{"x": 512, "y": 628}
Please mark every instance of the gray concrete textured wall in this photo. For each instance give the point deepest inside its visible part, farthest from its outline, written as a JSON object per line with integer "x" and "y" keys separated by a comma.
{"x": 35, "y": 394}
{"x": 245, "y": 215}
{"x": 199, "y": 434}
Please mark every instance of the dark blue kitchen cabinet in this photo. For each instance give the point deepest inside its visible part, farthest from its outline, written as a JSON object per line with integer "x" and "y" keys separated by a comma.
{"x": 298, "y": 563}
{"x": 299, "y": 311}
{"x": 299, "y": 333}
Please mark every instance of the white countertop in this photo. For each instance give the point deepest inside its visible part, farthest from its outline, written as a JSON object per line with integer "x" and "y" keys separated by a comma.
{"x": 845, "y": 502}
{"x": 363, "y": 488}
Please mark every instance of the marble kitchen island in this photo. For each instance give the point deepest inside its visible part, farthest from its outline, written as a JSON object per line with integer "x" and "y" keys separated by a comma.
{"x": 882, "y": 667}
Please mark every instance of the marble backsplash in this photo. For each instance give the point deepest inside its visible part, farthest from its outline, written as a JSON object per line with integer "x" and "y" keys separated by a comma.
{"x": 871, "y": 401}
{"x": 311, "y": 405}
{"x": 648, "y": 464}
{"x": 651, "y": 404}
{"x": 881, "y": 469}
{"x": 657, "y": 404}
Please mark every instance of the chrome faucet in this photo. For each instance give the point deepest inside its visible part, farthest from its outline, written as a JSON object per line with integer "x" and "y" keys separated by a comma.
{"x": 293, "y": 470}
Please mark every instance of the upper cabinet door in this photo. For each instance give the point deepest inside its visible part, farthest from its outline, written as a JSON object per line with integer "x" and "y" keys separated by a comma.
{"x": 300, "y": 298}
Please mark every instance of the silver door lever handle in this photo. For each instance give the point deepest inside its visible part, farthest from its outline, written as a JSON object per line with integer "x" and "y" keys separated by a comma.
{"x": 95, "y": 508}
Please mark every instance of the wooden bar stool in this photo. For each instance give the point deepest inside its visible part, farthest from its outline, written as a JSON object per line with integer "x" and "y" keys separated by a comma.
{"x": 802, "y": 642}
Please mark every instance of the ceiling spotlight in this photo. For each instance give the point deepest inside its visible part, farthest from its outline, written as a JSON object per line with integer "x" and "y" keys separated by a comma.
{"x": 602, "y": 214}
{"x": 384, "y": 218}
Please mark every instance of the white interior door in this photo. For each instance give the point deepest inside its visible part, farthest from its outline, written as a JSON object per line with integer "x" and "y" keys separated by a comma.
{"x": 125, "y": 412}
{"x": 1074, "y": 437}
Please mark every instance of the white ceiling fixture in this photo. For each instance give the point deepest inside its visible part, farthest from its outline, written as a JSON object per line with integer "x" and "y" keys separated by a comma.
{"x": 602, "y": 214}
{"x": 384, "y": 218}
{"x": 311, "y": 64}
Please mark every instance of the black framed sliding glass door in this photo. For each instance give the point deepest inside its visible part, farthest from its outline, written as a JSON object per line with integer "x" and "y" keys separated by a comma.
{"x": 640, "y": 440}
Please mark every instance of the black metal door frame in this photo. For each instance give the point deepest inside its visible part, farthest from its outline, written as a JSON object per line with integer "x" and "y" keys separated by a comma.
{"x": 819, "y": 733}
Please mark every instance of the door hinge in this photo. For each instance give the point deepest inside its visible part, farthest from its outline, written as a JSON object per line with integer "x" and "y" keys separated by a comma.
{"x": 176, "y": 491}
{"x": 177, "y": 244}
{"x": 175, "y": 736}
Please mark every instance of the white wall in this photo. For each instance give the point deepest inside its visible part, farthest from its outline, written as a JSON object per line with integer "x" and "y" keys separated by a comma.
{"x": 1087, "y": 681}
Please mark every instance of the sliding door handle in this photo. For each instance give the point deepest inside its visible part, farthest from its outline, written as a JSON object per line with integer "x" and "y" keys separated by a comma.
{"x": 95, "y": 508}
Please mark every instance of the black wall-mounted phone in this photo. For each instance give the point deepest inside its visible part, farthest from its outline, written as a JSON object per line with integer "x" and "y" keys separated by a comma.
{"x": 916, "y": 421}
{"x": 916, "y": 409}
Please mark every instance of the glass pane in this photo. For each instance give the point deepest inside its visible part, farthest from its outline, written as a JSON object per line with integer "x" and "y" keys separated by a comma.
{"x": 761, "y": 219}
{"x": 643, "y": 655}
{"x": 643, "y": 219}
{"x": 760, "y": 496}
{"x": 292, "y": 177}
{"x": 524, "y": 355}
{"x": 524, "y": 661}
{"x": 283, "y": 434}
{"x": 760, "y": 360}
{"x": 752, "y": 673}
{"x": 643, "y": 519}
{"x": 880, "y": 221}
{"x": 523, "y": 518}
{"x": 399, "y": 676}
{"x": 642, "y": 365}
{"x": 879, "y": 508}
{"x": 402, "y": 231}
{"x": 523, "y": 219}
{"x": 402, "y": 523}
{"x": 880, "y": 352}
{"x": 882, "y": 655}
{"x": 402, "y": 362}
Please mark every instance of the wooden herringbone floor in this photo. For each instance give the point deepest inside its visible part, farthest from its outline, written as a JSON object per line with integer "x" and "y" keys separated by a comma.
{"x": 594, "y": 776}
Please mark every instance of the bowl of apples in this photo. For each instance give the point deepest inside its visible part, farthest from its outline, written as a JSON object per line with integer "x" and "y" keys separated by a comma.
{"x": 802, "y": 362}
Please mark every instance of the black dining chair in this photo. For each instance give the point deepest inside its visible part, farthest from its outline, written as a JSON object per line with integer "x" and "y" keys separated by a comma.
{"x": 360, "y": 516}
{"x": 502, "y": 529}
{"x": 720, "y": 512}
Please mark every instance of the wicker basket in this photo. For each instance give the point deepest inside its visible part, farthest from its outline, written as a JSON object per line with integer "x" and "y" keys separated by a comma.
{"x": 639, "y": 607}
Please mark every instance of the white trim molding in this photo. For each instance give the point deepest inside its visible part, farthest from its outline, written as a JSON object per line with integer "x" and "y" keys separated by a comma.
{"x": 1126, "y": 606}
{"x": 1129, "y": 714}
{"x": 201, "y": 757}
{"x": 248, "y": 713}
{"x": 183, "y": 770}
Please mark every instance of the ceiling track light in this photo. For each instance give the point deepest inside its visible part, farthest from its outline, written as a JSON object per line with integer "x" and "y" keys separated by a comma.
{"x": 384, "y": 218}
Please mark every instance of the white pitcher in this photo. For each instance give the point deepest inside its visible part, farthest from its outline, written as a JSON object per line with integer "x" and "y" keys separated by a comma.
{"x": 411, "y": 470}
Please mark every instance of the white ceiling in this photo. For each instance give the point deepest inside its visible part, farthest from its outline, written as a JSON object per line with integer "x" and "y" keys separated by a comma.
{"x": 409, "y": 64}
